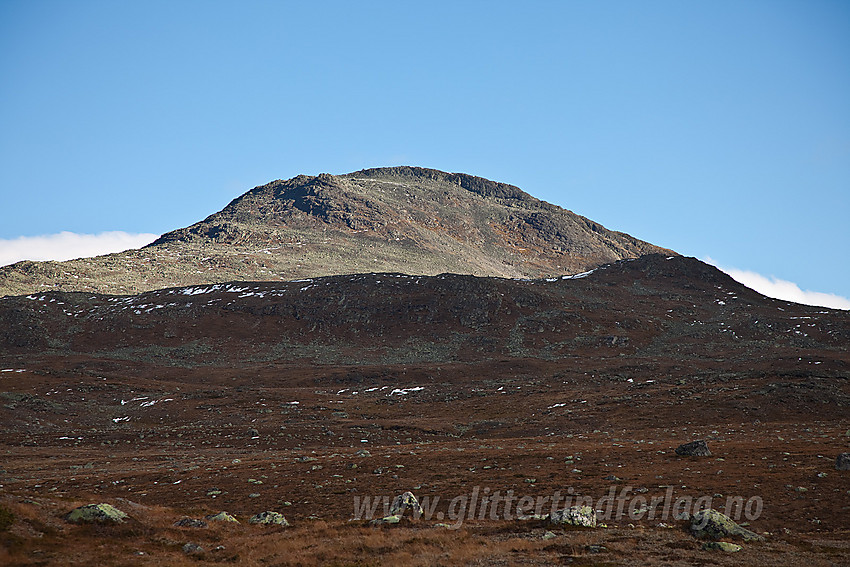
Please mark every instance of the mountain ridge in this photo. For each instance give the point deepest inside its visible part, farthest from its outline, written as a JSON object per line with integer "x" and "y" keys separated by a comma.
{"x": 397, "y": 219}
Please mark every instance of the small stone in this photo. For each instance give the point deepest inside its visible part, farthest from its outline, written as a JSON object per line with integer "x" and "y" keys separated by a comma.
{"x": 842, "y": 462}
{"x": 533, "y": 517}
{"x": 393, "y": 519}
{"x": 254, "y": 495}
{"x": 192, "y": 549}
{"x": 549, "y": 535}
{"x": 190, "y": 523}
{"x": 222, "y": 517}
{"x": 721, "y": 546}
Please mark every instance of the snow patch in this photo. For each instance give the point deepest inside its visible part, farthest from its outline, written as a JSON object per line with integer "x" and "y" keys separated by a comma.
{"x": 405, "y": 391}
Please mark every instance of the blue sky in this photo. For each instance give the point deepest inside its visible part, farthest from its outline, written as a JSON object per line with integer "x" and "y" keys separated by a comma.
{"x": 718, "y": 129}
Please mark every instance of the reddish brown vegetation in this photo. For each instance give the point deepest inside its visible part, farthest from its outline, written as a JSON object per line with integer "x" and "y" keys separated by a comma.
{"x": 150, "y": 409}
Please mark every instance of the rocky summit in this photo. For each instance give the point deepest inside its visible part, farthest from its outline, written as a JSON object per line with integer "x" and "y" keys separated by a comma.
{"x": 398, "y": 219}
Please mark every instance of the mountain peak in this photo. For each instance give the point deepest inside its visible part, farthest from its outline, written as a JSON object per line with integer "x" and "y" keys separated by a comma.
{"x": 393, "y": 219}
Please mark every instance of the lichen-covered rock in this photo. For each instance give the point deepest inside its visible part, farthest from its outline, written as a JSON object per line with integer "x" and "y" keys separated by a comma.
{"x": 721, "y": 546}
{"x": 222, "y": 517}
{"x": 96, "y": 514}
{"x": 842, "y": 463}
{"x": 532, "y": 517}
{"x": 698, "y": 448}
{"x": 269, "y": 518}
{"x": 404, "y": 502}
{"x": 582, "y": 516}
{"x": 392, "y": 519}
{"x": 711, "y": 524}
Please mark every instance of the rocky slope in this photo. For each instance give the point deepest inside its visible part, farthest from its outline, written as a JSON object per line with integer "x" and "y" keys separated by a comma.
{"x": 400, "y": 219}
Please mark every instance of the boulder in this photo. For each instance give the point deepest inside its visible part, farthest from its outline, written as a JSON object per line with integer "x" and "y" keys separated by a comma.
{"x": 582, "y": 516}
{"x": 96, "y": 514}
{"x": 222, "y": 517}
{"x": 711, "y": 524}
{"x": 842, "y": 463}
{"x": 698, "y": 448}
{"x": 403, "y": 502}
{"x": 269, "y": 518}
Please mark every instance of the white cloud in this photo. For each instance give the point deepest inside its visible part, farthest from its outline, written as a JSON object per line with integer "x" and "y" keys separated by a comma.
{"x": 69, "y": 245}
{"x": 781, "y": 289}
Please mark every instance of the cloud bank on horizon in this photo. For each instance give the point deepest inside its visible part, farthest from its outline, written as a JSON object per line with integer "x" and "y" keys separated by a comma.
{"x": 69, "y": 245}
{"x": 782, "y": 289}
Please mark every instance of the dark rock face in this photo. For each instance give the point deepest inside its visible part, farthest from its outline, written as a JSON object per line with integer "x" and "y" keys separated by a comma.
{"x": 842, "y": 462}
{"x": 697, "y": 448}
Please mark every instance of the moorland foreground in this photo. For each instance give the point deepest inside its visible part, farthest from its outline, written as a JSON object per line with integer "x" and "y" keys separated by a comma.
{"x": 321, "y": 398}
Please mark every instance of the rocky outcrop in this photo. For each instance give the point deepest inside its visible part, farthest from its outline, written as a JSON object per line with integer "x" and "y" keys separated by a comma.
{"x": 711, "y": 524}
